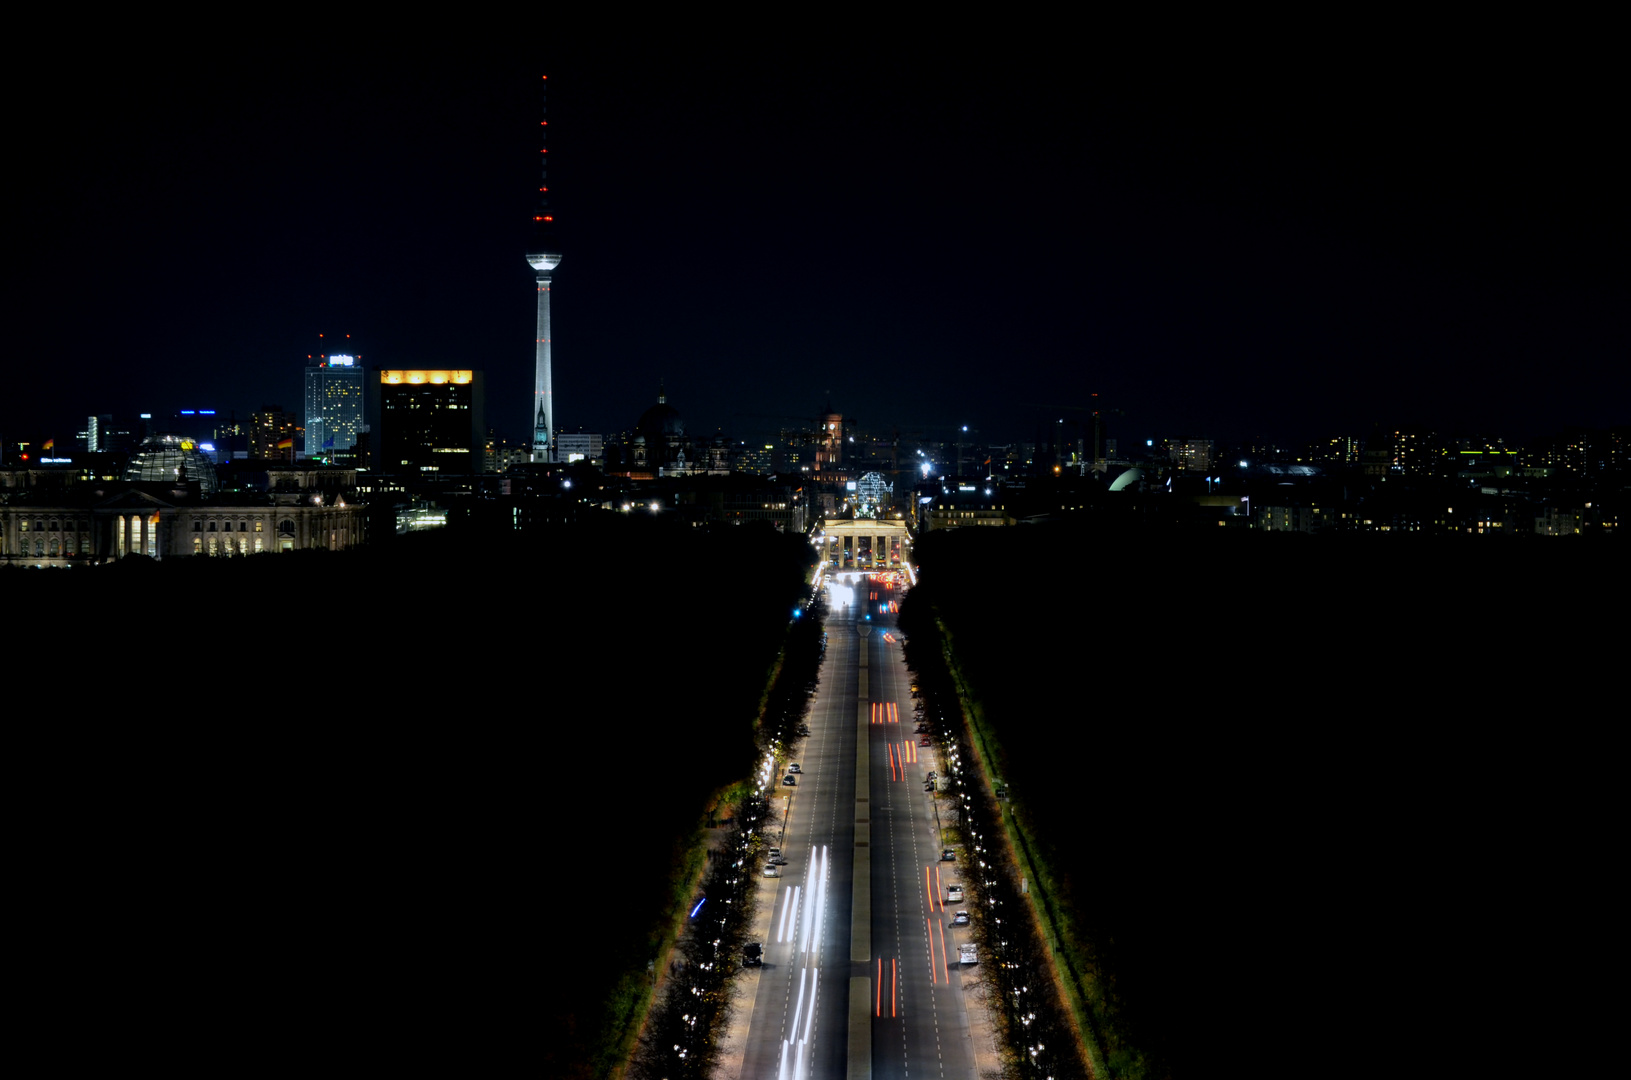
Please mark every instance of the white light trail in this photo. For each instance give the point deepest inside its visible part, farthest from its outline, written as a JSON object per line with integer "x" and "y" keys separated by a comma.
{"x": 809, "y": 1017}
{"x": 820, "y": 904}
{"x": 790, "y": 899}
{"x": 798, "y": 1009}
{"x": 804, "y": 912}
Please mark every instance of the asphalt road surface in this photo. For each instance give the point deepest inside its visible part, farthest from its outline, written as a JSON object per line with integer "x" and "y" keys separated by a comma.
{"x": 861, "y": 981}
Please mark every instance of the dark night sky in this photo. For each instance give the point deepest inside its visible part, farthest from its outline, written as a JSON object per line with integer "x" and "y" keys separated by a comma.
{"x": 1291, "y": 240}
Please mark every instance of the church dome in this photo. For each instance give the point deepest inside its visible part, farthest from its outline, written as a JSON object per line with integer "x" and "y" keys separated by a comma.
{"x": 662, "y": 419}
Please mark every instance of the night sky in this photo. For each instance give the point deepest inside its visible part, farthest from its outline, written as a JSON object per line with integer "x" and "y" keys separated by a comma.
{"x": 1289, "y": 238}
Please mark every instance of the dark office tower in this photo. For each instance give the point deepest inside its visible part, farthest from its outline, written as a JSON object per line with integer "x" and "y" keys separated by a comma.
{"x": 271, "y": 433}
{"x": 546, "y": 258}
{"x": 334, "y": 406}
{"x": 429, "y": 421}
{"x": 104, "y": 436}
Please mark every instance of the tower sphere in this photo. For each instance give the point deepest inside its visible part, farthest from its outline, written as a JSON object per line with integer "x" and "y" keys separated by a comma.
{"x": 543, "y": 262}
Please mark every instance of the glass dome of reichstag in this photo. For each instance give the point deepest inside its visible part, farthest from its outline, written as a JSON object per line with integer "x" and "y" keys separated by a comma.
{"x": 162, "y": 459}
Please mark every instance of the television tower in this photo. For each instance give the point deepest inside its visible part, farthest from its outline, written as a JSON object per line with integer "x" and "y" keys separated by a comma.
{"x": 546, "y": 259}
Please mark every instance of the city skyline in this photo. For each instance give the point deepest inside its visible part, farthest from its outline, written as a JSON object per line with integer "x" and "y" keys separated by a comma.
{"x": 923, "y": 239}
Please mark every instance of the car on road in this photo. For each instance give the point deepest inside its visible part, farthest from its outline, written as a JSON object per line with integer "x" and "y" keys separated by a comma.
{"x": 771, "y": 871}
{"x": 925, "y": 741}
{"x": 753, "y": 954}
{"x": 968, "y": 954}
{"x": 790, "y": 780}
{"x": 960, "y": 919}
{"x": 954, "y": 894}
{"x": 776, "y": 857}
{"x": 804, "y": 729}
{"x": 793, "y": 768}
{"x": 948, "y": 855}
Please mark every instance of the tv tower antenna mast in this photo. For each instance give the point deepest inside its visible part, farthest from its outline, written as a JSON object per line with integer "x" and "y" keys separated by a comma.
{"x": 545, "y": 260}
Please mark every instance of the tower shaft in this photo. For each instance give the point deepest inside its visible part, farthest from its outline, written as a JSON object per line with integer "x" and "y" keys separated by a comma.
{"x": 543, "y": 405}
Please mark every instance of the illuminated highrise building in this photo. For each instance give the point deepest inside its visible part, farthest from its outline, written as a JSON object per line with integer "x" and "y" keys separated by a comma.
{"x": 271, "y": 433}
{"x": 334, "y": 406}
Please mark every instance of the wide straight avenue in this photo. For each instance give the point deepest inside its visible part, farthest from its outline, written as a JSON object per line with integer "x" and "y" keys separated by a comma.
{"x": 861, "y": 975}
